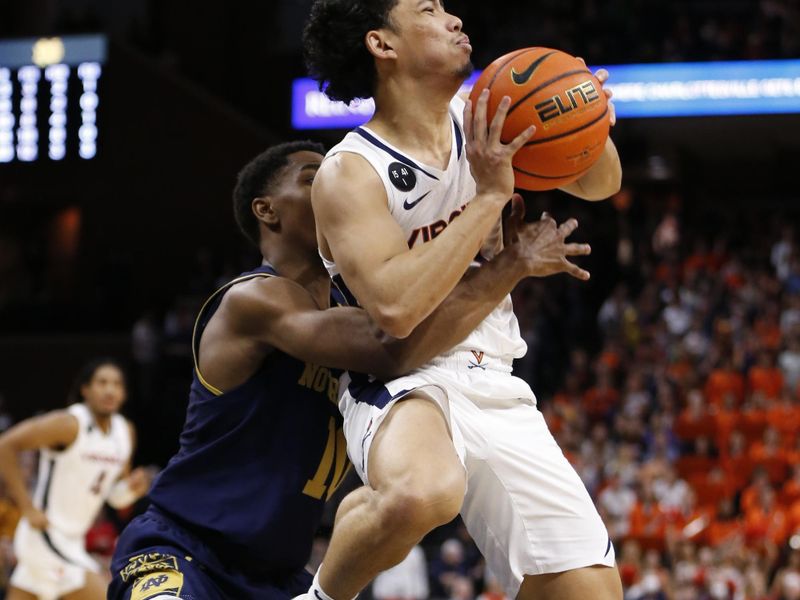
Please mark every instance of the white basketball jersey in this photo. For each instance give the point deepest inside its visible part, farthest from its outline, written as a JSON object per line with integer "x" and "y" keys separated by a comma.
{"x": 74, "y": 483}
{"x": 424, "y": 200}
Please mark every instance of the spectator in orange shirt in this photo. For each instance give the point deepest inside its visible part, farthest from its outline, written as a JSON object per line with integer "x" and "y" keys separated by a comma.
{"x": 765, "y": 377}
{"x": 726, "y": 524}
{"x": 753, "y": 419}
{"x": 768, "y": 328}
{"x": 712, "y": 486}
{"x": 759, "y": 481}
{"x": 726, "y": 420}
{"x": 695, "y": 420}
{"x": 648, "y": 522}
{"x": 770, "y": 455}
{"x": 736, "y": 462}
{"x": 766, "y": 521}
{"x": 723, "y": 380}
{"x": 602, "y": 398}
{"x": 784, "y": 415}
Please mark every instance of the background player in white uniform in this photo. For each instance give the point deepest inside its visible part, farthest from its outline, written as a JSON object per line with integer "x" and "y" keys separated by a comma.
{"x": 84, "y": 461}
{"x": 402, "y": 207}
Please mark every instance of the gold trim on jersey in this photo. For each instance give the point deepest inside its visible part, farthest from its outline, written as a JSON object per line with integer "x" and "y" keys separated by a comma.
{"x": 141, "y": 564}
{"x": 196, "y": 342}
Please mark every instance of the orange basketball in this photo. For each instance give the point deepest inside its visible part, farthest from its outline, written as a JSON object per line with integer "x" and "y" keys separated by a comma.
{"x": 557, "y": 93}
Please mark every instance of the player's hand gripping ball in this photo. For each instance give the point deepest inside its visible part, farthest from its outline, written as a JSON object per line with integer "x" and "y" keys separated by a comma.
{"x": 558, "y": 94}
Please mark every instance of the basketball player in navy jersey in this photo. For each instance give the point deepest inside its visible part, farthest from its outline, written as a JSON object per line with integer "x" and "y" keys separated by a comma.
{"x": 461, "y": 434}
{"x": 84, "y": 461}
{"x": 234, "y": 512}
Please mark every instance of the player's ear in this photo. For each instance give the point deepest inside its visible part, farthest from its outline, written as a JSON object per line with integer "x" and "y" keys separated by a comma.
{"x": 379, "y": 44}
{"x": 264, "y": 210}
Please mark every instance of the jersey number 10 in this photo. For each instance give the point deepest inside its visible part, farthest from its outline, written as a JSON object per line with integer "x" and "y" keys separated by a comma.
{"x": 334, "y": 458}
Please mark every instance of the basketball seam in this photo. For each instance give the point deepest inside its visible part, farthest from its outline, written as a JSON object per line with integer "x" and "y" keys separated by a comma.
{"x": 565, "y": 134}
{"x": 530, "y": 174}
{"x": 540, "y": 87}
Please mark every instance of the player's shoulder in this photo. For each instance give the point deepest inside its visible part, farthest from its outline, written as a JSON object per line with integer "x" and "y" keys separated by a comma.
{"x": 344, "y": 182}
{"x": 57, "y": 427}
{"x": 63, "y": 416}
{"x": 254, "y": 302}
{"x": 344, "y": 166}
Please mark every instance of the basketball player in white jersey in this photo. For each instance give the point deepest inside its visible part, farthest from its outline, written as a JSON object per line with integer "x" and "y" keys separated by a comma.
{"x": 403, "y": 207}
{"x": 84, "y": 461}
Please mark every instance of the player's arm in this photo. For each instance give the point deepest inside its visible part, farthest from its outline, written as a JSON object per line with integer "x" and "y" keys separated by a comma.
{"x": 537, "y": 249}
{"x": 279, "y": 313}
{"x": 605, "y": 177}
{"x": 399, "y": 287}
{"x": 602, "y": 180}
{"x": 132, "y": 484}
{"x": 57, "y": 429}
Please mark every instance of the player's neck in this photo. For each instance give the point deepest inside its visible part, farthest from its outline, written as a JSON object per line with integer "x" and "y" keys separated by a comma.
{"x": 416, "y": 119}
{"x": 102, "y": 421}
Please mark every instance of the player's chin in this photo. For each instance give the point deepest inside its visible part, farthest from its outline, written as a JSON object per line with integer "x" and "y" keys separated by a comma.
{"x": 465, "y": 69}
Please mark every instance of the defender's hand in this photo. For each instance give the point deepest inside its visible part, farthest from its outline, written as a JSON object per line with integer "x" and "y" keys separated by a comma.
{"x": 541, "y": 245}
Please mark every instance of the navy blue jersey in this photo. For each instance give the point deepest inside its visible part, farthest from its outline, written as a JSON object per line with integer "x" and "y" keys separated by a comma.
{"x": 256, "y": 463}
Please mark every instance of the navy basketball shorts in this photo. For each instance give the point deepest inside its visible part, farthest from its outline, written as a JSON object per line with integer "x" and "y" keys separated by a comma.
{"x": 157, "y": 559}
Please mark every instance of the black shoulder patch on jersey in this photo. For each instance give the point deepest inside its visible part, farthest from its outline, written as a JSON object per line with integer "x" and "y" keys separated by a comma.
{"x": 402, "y": 177}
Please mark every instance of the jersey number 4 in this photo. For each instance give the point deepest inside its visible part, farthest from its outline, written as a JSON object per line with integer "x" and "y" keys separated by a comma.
{"x": 334, "y": 459}
{"x": 97, "y": 486}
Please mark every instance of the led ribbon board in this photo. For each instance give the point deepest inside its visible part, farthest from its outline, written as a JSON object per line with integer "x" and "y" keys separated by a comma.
{"x": 49, "y": 98}
{"x": 652, "y": 90}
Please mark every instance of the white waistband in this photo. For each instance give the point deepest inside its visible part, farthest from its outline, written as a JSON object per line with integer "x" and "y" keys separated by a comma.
{"x": 472, "y": 360}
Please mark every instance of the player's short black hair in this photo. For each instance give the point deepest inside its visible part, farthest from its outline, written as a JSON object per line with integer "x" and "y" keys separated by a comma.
{"x": 335, "y": 52}
{"x": 255, "y": 179}
{"x": 87, "y": 372}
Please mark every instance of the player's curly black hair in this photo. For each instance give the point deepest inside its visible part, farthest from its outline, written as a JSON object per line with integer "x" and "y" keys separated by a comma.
{"x": 335, "y": 52}
{"x": 255, "y": 179}
{"x": 87, "y": 373}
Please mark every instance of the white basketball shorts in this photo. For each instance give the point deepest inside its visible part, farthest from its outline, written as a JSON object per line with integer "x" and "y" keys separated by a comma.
{"x": 525, "y": 506}
{"x": 49, "y": 564}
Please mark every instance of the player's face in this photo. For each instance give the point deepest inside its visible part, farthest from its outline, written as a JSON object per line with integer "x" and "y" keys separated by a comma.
{"x": 291, "y": 198}
{"x": 428, "y": 39}
{"x": 105, "y": 392}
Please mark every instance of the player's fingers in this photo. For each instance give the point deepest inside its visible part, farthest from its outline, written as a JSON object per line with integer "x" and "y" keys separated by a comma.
{"x": 577, "y": 250}
{"x": 522, "y": 139}
{"x": 602, "y": 75}
{"x": 567, "y": 227}
{"x": 479, "y": 118}
{"x": 518, "y": 203}
{"x": 468, "y": 121}
{"x": 612, "y": 118}
{"x": 576, "y": 271}
{"x": 496, "y": 128}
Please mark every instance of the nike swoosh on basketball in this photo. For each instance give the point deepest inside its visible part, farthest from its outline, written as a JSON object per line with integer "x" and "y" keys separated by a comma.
{"x": 409, "y": 205}
{"x": 522, "y": 78}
